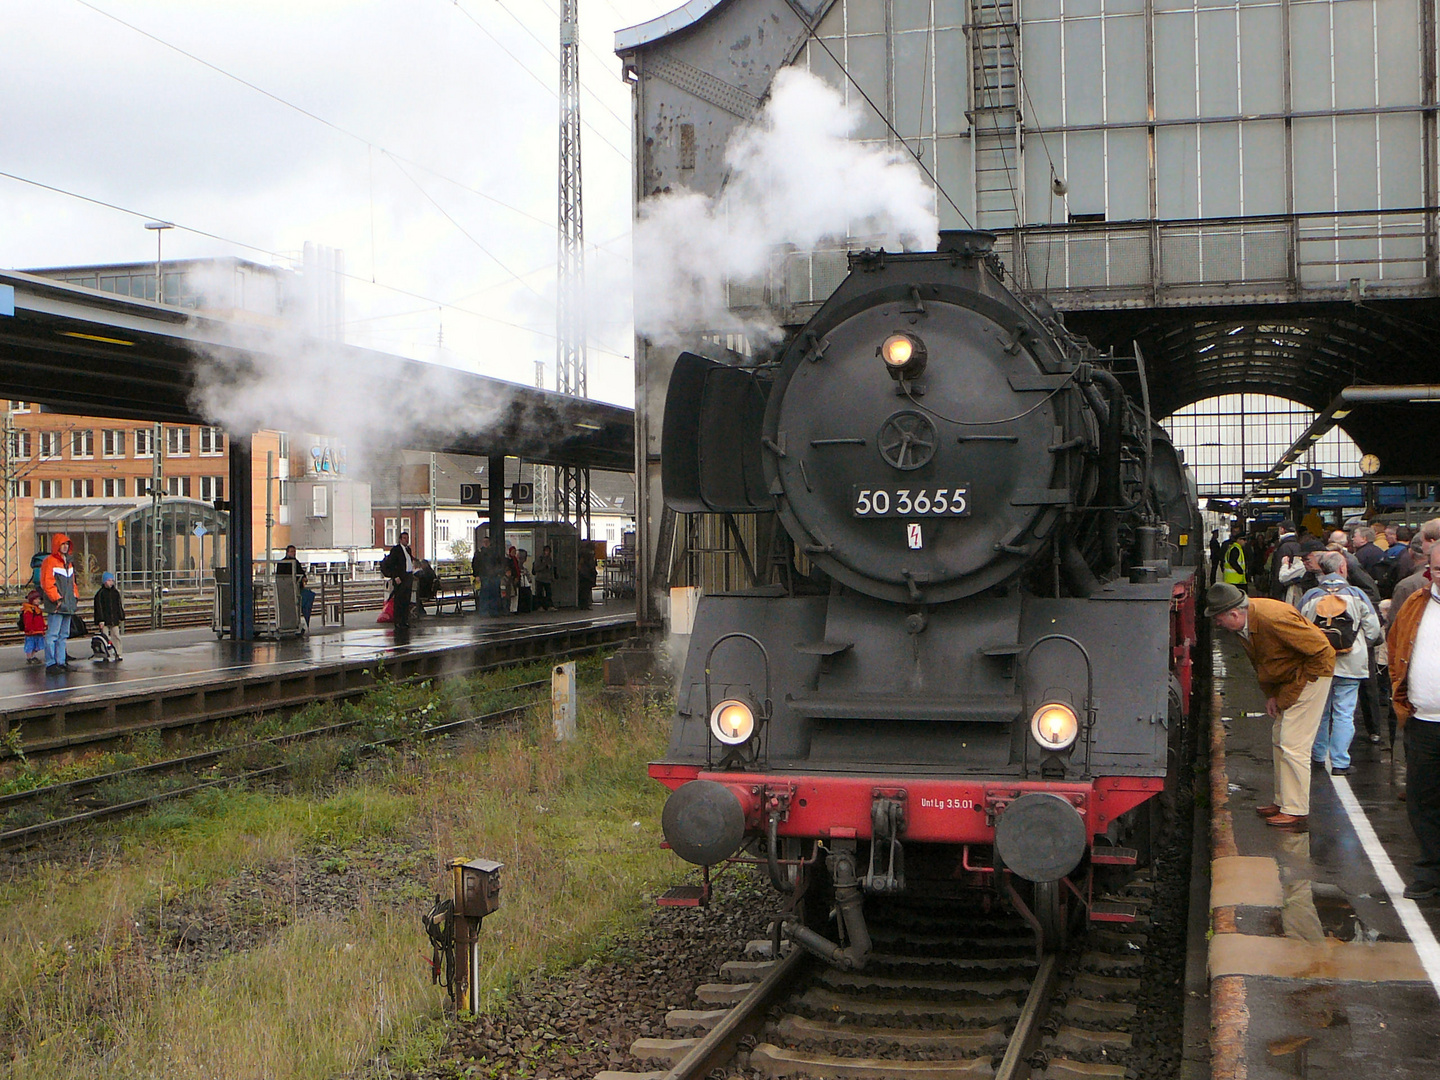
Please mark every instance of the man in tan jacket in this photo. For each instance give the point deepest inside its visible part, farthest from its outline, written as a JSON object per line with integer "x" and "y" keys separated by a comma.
{"x": 1293, "y": 663}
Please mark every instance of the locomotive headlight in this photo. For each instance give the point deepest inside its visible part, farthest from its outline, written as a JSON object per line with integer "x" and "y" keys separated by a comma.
{"x": 904, "y": 355}
{"x": 1054, "y": 725}
{"x": 732, "y": 722}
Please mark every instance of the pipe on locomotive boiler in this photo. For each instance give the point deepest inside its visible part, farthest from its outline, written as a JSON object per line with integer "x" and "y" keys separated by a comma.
{"x": 1111, "y": 433}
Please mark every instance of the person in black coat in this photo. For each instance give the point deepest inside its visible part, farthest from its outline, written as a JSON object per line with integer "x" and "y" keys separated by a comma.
{"x": 110, "y": 613}
{"x": 399, "y": 567}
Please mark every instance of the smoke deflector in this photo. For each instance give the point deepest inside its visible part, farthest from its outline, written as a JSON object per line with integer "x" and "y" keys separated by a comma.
{"x": 710, "y": 443}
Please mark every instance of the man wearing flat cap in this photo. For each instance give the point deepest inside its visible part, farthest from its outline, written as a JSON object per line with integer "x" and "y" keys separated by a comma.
{"x": 1294, "y": 663}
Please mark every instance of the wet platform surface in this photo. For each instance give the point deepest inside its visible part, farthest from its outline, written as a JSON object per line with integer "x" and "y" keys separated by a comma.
{"x": 1319, "y": 966}
{"x": 183, "y": 658}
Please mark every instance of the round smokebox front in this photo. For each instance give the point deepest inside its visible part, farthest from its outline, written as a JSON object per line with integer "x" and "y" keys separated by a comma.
{"x": 1041, "y": 837}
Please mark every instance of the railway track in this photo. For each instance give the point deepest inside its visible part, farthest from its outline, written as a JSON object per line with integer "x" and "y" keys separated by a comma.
{"x": 77, "y": 802}
{"x": 946, "y": 995}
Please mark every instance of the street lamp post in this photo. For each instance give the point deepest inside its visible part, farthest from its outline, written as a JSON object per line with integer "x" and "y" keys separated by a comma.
{"x": 159, "y": 227}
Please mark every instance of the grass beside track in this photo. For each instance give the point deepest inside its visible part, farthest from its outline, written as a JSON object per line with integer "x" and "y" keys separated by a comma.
{"x": 277, "y": 933}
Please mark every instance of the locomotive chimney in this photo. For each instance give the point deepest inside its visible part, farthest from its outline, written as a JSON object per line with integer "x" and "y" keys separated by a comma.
{"x": 966, "y": 242}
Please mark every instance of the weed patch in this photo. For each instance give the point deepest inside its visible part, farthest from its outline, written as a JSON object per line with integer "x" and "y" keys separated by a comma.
{"x": 245, "y": 933}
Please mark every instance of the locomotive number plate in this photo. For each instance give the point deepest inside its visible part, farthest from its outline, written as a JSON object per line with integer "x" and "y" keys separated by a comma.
{"x": 911, "y": 502}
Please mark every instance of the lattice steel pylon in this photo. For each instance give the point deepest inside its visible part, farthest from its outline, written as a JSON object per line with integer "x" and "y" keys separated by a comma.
{"x": 572, "y": 485}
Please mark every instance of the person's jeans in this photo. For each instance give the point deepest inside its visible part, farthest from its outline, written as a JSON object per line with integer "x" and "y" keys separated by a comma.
{"x": 57, "y": 634}
{"x": 1422, "y": 795}
{"x": 1337, "y": 724}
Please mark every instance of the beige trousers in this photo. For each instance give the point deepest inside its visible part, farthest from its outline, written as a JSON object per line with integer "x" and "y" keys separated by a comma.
{"x": 1292, "y": 735}
{"x": 116, "y": 634}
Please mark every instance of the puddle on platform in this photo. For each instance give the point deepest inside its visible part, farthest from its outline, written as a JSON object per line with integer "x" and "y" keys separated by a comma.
{"x": 1339, "y": 917}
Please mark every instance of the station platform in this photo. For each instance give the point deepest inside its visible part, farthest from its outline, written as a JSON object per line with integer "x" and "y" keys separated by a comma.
{"x": 1318, "y": 966}
{"x": 173, "y": 678}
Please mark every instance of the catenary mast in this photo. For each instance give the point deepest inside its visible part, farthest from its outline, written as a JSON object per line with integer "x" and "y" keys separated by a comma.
{"x": 572, "y": 484}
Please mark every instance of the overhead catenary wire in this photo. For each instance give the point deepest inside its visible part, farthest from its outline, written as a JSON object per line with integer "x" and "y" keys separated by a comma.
{"x": 812, "y": 35}
{"x": 340, "y": 129}
{"x": 625, "y": 123}
{"x": 279, "y": 256}
{"x": 526, "y": 68}
{"x": 461, "y": 228}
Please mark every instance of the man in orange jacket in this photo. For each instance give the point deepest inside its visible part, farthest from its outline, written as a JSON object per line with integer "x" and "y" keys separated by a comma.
{"x": 1414, "y": 646}
{"x": 60, "y": 600}
{"x": 1294, "y": 664}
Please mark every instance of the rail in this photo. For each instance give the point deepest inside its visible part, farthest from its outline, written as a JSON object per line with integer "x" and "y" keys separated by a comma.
{"x": 51, "y": 793}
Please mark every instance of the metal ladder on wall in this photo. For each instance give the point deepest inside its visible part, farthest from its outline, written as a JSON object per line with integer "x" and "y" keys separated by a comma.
{"x": 994, "y": 113}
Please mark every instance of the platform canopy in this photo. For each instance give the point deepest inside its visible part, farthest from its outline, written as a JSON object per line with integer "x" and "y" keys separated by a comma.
{"x": 1306, "y": 352}
{"x": 76, "y": 350}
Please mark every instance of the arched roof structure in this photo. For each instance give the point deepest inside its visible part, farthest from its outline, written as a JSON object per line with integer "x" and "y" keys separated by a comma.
{"x": 1305, "y": 352}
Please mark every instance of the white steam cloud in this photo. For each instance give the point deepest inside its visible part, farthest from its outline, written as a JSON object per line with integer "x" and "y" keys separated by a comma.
{"x": 795, "y": 178}
{"x": 260, "y": 378}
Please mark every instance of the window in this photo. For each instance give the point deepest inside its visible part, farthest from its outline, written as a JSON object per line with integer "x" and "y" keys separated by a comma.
{"x": 20, "y": 489}
{"x": 442, "y": 532}
{"x": 178, "y": 486}
{"x": 49, "y": 489}
{"x": 284, "y": 447}
{"x": 392, "y": 536}
{"x": 212, "y": 441}
{"x": 49, "y": 445}
{"x": 145, "y": 442}
{"x": 19, "y": 406}
{"x": 21, "y": 445}
{"x": 82, "y": 444}
{"x": 177, "y": 441}
{"x": 212, "y": 488}
{"x": 82, "y": 489}
{"x": 142, "y": 486}
{"x": 404, "y": 525}
{"x": 113, "y": 488}
{"x": 112, "y": 443}
{"x": 319, "y": 501}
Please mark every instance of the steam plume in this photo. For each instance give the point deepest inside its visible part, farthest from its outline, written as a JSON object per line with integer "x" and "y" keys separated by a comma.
{"x": 795, "y": 178}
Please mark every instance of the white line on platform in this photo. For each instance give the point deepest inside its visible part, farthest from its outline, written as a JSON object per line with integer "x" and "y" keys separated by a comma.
{"x": 1419, "y": 930}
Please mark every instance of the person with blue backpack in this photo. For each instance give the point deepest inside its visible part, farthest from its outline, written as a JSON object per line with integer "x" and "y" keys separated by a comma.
{"x": 1345, "y": 615}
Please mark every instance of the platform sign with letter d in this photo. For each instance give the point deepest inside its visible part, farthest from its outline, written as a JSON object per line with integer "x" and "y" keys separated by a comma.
{"x": 1309, "y": 481}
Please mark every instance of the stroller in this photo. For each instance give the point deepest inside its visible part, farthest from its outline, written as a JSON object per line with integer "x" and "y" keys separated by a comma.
{"x": 102, "y": 649}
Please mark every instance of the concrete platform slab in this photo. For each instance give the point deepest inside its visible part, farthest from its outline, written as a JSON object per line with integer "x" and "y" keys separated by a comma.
{"x": 1318, "y": 966}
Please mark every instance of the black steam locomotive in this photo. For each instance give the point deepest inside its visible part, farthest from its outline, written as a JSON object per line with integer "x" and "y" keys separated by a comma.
{"x": 968, "y": 654}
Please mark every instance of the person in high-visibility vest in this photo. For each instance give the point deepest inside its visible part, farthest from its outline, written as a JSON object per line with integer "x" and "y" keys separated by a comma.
{"x": 1232, "y": 559}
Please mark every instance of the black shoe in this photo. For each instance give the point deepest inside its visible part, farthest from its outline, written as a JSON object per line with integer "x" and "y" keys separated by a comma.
{"x": 1343, "y": 772}
{"x": 53, "y": 669}
{"x": 1421, "y": 892}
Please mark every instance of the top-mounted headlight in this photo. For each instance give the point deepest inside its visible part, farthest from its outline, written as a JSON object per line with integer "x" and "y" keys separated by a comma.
{"x": 904, "y": 355}
{"x": 732, "y": 722}
{"x": 1054, "y": 725}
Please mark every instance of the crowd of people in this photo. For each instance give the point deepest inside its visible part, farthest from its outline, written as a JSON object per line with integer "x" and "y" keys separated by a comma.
{"x": 1339, "y": 623}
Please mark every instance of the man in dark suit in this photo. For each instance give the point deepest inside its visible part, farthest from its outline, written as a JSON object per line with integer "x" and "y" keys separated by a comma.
{"x": 399, "y": 567}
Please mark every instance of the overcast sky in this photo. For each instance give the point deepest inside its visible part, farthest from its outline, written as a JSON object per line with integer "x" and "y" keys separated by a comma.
{"x": 455, "y": 109}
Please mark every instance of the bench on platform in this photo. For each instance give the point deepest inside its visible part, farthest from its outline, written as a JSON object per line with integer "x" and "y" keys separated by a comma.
{"x": 452, "y": 592}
